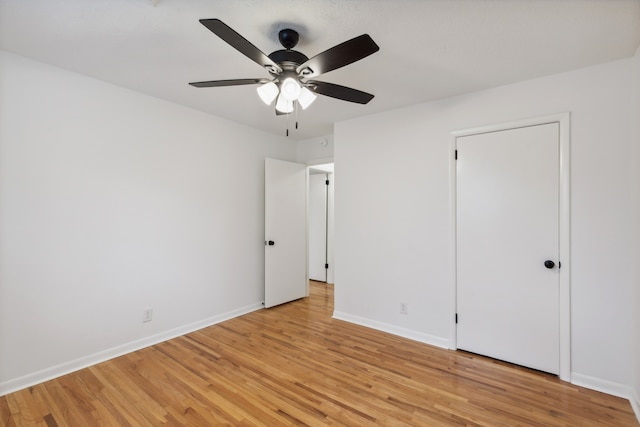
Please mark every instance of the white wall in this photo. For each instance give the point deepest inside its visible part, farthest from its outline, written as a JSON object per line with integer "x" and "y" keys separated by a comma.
{"x": 635, "y": 159}
{"x": 315, "y": 151}
{"x": 112, "y": 202}
{"x": 393, "y": 227}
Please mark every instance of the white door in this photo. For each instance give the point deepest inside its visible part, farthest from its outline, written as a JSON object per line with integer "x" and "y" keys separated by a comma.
{"x": 318, "y": 226}
{"x": 507, "y": 230}
{"x": 285, "y": 253}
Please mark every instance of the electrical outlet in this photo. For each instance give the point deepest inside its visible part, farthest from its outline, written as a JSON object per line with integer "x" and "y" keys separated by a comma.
{"x": 404, "y": 308}
{"x": 147, "y": 315}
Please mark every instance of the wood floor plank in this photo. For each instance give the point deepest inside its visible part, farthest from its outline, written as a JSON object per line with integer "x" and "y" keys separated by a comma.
{"x": 6, "y": 417}
{"x": 295, "y": 365}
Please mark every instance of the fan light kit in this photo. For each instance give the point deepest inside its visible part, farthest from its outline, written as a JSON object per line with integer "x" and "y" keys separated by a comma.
{"x": 290, "y": 70}
{"x": 268, "y": 92}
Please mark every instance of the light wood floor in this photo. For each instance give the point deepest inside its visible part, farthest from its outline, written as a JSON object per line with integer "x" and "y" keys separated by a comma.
{"x": 294, "y": 365}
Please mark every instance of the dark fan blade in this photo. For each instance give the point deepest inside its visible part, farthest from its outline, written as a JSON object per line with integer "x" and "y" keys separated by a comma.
{"x": 241, "y": 44}
{"x": 338, "y": 56}
{"x": 234, "y": 82}
{"x": 339, "y": 92}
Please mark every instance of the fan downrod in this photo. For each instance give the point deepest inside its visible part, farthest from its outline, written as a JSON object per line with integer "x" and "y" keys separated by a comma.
{"x": 288, "y": 38}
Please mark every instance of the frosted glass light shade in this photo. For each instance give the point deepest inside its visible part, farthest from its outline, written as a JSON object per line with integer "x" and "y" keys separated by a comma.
{"x": 306, "y": 98}
{"x": 290, "y": 89}
{"x": 268, "y": 92}
{"x": 284, "y": 105}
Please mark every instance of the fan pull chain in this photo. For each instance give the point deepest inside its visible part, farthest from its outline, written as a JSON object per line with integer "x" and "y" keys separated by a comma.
{"x": 296, "y": 118}
{"x": 288, "y": 114}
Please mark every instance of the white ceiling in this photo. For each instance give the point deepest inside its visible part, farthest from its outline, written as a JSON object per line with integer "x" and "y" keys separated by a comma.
{"x": 429, "y": 49}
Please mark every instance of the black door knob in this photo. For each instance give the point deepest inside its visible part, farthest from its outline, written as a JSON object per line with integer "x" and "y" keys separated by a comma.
{"x": 271, "y": 243}
{"x": 549, "y": 264}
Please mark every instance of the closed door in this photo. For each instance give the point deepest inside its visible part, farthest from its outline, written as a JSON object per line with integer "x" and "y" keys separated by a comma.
{"x": 285, "y": 254}
{"x": 508, "y": 245}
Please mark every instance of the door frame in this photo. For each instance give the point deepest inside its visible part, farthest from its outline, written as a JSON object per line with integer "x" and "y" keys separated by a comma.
{"x": 564, "y": 224}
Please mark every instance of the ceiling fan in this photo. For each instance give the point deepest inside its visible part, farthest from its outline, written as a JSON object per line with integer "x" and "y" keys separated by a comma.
{"x": 291, "y": 70}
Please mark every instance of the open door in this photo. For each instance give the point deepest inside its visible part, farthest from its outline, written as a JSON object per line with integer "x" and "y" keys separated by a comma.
{"x": 285, "y": 250}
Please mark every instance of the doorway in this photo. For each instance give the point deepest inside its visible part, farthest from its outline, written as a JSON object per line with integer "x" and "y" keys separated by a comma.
{"x": 320, "y": 222}
{"x": 510, "y": 239}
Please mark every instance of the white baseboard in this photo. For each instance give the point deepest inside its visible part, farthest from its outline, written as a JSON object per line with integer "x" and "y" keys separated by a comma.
{"x": 392, "y": 329}
{"x": 608, "y": 387}
{"x": 635, "y": 404}
{"x": 52, "y": 372}
{"x": 604, "y": 386}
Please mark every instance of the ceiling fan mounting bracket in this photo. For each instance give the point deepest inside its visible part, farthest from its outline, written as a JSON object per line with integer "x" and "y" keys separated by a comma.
{"x": 288, "y": 38}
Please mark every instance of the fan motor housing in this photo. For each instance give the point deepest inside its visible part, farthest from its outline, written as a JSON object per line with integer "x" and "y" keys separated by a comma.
{"x": 288, "y": 58}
